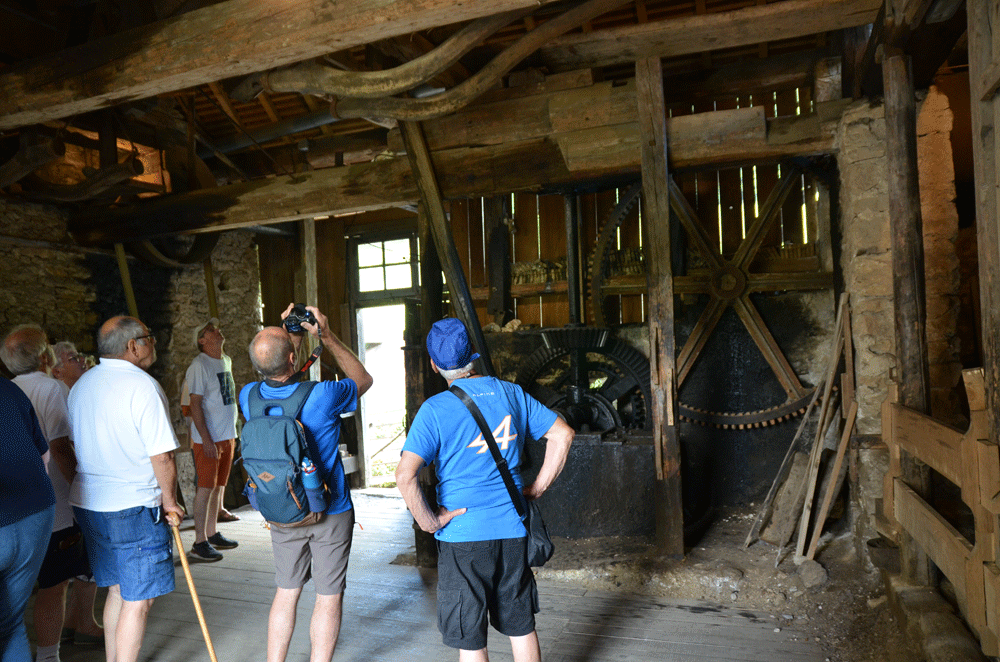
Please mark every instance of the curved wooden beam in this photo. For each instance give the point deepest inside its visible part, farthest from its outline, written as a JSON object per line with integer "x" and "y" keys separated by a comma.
{"x": 29, "y": 158}
{"x": 315, "y": 78}
{"x": 100, "y": 181}
{"x": 463, "y": 93}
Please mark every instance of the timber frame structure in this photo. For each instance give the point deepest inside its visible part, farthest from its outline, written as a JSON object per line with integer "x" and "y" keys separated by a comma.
{"x": 207, "y": 116}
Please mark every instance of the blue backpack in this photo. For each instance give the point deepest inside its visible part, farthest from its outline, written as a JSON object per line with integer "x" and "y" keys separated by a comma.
{"x": 274, "y": 448}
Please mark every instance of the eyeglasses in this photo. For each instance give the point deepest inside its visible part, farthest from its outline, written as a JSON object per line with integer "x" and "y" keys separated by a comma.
{"x": 150, "y": 336}
{"x": 76, "y": 358}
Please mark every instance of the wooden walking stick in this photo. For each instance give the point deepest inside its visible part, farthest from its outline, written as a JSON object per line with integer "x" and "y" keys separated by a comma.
{"x": 175, "y": 523}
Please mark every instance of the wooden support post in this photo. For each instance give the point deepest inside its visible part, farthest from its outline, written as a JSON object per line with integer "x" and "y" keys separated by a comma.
{"x": 496, "y": 213}
{"x": 213, "y": 306}
{"x": 573, "y": 256}
{"x": 430, "y": 312}
{"x": 908, "y": 277}
{"x": 108, "y": 156}
{"x": 659, "y": 274}
{"x": 133, "y": 309}
{"x": 311, "y": 286}
{"x": 430, "y": 195}
{"x": 984, "y": 56}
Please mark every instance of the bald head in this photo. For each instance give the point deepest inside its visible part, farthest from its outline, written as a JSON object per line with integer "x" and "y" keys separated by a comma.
{"x": 113, "y": 336}
{"x": 26, "y": 349}
{"x": 272, "y": 353}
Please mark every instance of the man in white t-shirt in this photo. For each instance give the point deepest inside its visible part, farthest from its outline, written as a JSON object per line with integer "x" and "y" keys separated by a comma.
{"x": 27, "y": 354}
{"x": 125, "y": 485}
{"x": 212, "y": 393}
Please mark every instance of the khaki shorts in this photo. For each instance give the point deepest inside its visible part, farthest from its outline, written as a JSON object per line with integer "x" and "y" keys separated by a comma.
{"x": 318, "y": 551}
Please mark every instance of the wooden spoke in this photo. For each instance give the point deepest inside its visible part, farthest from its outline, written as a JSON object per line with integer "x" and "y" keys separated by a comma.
{"x": 769, "y": 348}
{"x": 769, "y": 214}
{"x": 699, "y": 336}
{"x": 689, "y": 219}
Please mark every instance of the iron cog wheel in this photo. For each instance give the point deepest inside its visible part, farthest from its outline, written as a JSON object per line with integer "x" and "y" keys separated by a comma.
{"x": 597, "y": 382}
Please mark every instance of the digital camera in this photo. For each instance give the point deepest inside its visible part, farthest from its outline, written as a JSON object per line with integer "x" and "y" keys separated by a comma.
{"x": 299, "y": 314}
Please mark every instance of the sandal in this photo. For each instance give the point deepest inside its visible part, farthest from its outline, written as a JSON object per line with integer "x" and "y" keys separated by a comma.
{"x": 227, "y": 517}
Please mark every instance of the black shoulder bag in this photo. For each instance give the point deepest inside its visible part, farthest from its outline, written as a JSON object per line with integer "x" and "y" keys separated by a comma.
{"x": 540, "y": 547}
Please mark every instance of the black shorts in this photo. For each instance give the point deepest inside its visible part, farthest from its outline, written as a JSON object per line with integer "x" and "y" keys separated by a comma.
{"x": 487, "y": 577}
{"x": 66, "y": 558}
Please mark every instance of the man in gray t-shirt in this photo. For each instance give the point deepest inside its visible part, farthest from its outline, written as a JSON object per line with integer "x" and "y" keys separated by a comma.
{"x": 213, "y": 435}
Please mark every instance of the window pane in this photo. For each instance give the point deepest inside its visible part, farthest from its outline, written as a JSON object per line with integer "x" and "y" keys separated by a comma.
{"x": 397, "y": 251}
{"x": 371, "y": 280}
{"x": 370, "y": 255}
{"x": 397, "y": 276}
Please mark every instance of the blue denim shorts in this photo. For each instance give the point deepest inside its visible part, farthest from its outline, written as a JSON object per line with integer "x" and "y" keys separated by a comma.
{"x": 130, "y": 548}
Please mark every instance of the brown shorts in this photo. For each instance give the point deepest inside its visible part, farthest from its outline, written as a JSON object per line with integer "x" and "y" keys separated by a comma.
{"x": 213, "y": 472}
{"x": 319, "y": 551}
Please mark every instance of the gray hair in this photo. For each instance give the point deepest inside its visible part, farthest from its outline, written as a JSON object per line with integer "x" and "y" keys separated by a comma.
{"x": 63, "y": 348}
{"x": 113, "y": 343}
{"x": 457, "y": 373}
{"x": 269, "y": 354}
{"x": 23, "y": 349}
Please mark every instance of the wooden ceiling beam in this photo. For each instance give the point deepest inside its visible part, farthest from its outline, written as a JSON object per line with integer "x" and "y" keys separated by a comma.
{"x": 573, "y": 157}
{"x": 708, "y": 32}
{"x": 232, "y": 38}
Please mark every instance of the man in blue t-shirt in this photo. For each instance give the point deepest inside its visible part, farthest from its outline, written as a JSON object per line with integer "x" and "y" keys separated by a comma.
{"x": 482, "y": 563}
{"x": 327, "y": 543}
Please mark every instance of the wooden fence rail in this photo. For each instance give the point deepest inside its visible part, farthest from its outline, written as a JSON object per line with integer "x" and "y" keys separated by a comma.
{"x": 972, "y": 462}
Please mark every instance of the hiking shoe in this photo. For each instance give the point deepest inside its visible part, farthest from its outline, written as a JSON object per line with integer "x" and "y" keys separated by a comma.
{"x": 205, "y": 552}
{"x": 222, "y": 542}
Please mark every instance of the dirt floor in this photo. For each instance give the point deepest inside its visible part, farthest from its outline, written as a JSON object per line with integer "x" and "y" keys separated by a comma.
{"x": 835, "y": 598}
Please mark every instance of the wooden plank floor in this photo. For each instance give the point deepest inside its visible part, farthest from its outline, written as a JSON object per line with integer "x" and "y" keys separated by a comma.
{"x": 389, "y": 611}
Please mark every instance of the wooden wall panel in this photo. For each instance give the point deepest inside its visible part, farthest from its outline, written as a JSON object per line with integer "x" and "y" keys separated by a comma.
{"x": 632, "y": 310}
{"x": 279, "y": 259}
{"x": 552, "y": 215}
{"x": 789, "y": 103}
{"x": 331, "y": 271}
{"x": 731, "y": 208}
{"x": 477, "y": 259}
{"x": 528, "y": 310}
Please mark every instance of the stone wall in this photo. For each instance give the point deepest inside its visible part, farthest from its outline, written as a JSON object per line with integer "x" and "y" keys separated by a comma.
{"x": 866, "y": 261}
{"x": 867, "y": 254}
{"x": 40, "y": 281}
{"x": 866, "y": 257}
{"x": 70, "y": 292}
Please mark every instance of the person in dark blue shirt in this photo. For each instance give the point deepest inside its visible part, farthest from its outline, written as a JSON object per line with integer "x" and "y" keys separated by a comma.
{"x": 327, "y": 543}
{"x": 483, "y": 574}
{"x": 27, "y": 506}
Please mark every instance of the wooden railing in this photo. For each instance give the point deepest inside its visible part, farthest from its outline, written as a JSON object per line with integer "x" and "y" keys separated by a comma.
{"x": 972, "y": 462}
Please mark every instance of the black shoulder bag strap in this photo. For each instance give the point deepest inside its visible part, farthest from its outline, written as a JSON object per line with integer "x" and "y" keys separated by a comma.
{"x": 508, "y": 480}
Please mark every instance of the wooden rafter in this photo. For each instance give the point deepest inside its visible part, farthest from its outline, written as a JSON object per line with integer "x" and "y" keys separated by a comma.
{"x": 232, "y": 38}
{"x": 701, "y": 33}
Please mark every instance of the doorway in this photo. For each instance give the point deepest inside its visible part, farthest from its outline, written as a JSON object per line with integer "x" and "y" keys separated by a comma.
{"x": 383, "y": 409}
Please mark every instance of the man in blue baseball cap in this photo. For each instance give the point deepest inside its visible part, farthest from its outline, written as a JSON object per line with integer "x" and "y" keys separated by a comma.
{"x": 483, "y": 575}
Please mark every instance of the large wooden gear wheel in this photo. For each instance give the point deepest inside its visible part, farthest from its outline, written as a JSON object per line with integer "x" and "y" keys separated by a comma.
{"x": 726, "y": 282}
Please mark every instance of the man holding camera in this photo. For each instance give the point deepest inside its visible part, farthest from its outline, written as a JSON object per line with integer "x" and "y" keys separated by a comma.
{"x": 213, "y": 435}
{"x": 319, "y": 550}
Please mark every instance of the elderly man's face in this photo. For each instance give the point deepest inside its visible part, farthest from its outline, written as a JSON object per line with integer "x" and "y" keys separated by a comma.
{"x": 146, "y": 346}
{"x": 71, "y": 366}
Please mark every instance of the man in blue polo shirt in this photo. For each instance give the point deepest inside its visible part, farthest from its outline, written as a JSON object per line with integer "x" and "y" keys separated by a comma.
{"x": 483, "y": 575}
{"x": 318, "y": 551}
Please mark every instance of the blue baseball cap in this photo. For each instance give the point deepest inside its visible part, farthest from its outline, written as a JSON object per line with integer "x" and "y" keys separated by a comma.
{"x": 448, "y": 344}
